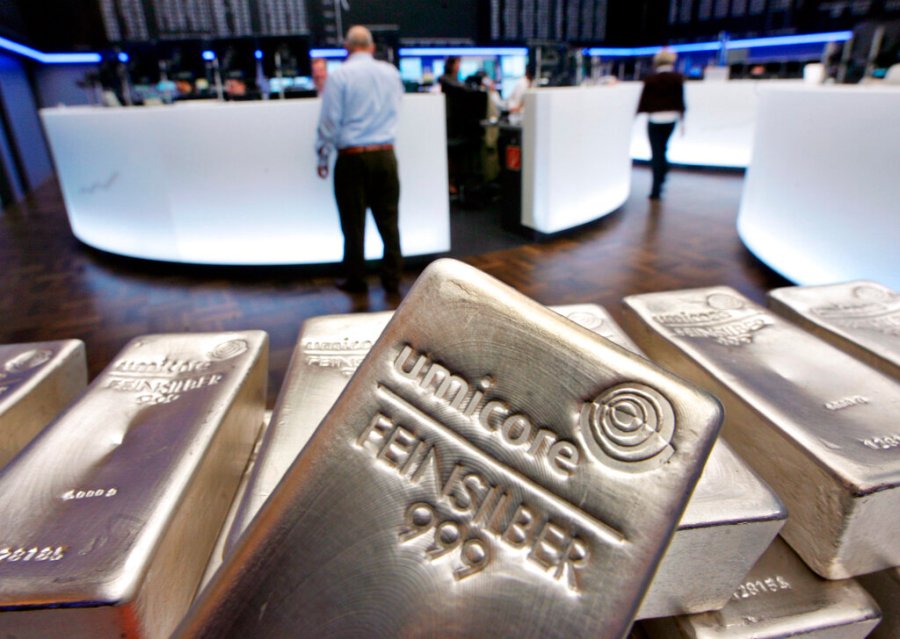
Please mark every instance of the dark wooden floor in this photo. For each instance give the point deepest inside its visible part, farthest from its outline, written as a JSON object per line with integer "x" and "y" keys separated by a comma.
{"x": 56, "y": 288}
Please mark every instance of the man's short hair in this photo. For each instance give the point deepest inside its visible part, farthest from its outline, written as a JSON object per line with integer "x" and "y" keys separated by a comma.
{"x": 358, "y": 37}
{"x": 664, "y": 57}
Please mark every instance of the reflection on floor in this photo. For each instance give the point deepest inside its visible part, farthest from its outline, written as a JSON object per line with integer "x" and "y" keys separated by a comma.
{"x": 55, "y": 288}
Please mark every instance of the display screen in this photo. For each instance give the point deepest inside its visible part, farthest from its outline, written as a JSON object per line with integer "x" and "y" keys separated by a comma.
{"x": 513, "y": 66}
{"x": 411, "y": 69}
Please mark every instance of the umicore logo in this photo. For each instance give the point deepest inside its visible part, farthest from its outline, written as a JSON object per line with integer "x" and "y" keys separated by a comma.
{"x": 728, "y": 320}
{"x": 630, "y": 425}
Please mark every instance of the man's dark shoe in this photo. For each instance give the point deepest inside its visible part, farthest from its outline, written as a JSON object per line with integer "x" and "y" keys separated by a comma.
{"x": 352, "y": 286}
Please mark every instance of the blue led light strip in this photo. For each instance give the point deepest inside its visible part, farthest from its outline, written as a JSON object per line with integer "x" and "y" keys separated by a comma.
{"x": 327, "y": 53}
{"x": 48, "y": 58}
{"x": 610, "y": 52}
{"x": 747, "y": 43}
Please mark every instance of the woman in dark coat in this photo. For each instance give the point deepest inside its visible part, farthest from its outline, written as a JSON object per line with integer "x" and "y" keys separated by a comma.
{"x": 663, "y": 100}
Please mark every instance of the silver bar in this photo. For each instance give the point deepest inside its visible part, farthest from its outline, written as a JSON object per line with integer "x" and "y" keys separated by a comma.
{"x": 780, "y": 598}
{"x": 884, "y": 586}
{"x": 806, "y": 415}
{"x": 461, "y": 481}
{"x": 37, "y": 380}
{"x": 732, "y": 515}
{"x": 597, "y": 319}
{"x": 731, "y": 519}
{"x": 221, "y": 546}
{"x": 860, "y": 317}
{"x": 109, "y": 516}
{"x": 327, "y": 353}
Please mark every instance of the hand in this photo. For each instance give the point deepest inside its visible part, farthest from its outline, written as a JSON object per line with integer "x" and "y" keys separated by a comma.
{"x": 322, "y": 170}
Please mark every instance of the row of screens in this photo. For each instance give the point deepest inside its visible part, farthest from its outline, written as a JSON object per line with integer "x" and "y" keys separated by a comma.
{"x": 247, "y": 59}
{"x": 422, "y": 69}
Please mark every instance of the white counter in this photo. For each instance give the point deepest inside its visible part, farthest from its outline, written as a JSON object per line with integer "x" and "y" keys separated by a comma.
{"x": 233, "y": 183}
{"x": 821, "y": 200}
{"x": 575, "y": 154}
{"x": 718, "y": 127}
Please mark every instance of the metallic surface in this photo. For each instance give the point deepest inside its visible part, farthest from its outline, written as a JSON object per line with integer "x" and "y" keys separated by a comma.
{"x": 732, "y": 515}
{"x": 221, "y": 546}
{"x": 780, "y": 598}
{"x": 37, "y": 380}
{"x": 328, "y": 351}
{"x": 859, "y": 317}
{"x": 808, "y": 417}
{"x": 730, "y": 520}
{"x": 598, "y": 320}
{"x": 464, "y": 481}
{"x": 109, "y": 516}
{"x": 884, "y": 586}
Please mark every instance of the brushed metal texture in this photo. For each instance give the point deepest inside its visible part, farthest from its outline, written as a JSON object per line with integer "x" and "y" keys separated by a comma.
{"x": 488, "y": 466}
{"x": 859, "y": 317}
{"x": 37, "y": 380}
{"x": 732, "y": 516}
{"x": 807, "y": 417}
{"x": 780, "y": 597}
{"x": 598, "y": 320}
{"x": 110, "y": 514}
{"x": 220, "y": 548}
{"x": 328, "y": 351}
{"x": 730, "y": 520}
{"x": 884, "y": 586}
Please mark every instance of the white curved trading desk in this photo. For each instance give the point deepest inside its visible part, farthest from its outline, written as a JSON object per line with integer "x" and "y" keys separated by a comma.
{"x": 718, "y": 124}
{"x": 233, "y": 183}
{"x": 575, "y": 154}
{"x": 821, "y": 200}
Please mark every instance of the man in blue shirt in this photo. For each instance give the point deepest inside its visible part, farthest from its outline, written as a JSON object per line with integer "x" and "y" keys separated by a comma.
{"x": 360, "y": 108}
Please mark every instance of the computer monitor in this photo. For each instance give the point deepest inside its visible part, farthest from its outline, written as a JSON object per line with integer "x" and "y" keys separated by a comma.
{"x": 237, "y": 57}
{"x": 437, "y": 68}
{"x": 468, "y": 66}
{"x": 290, "y": 54}
{"x": 411, "y": 69}
{"x": 513, "y": 66}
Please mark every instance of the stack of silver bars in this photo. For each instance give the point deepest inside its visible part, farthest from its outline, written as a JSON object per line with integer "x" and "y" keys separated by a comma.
{"x": 474, "y": 464}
